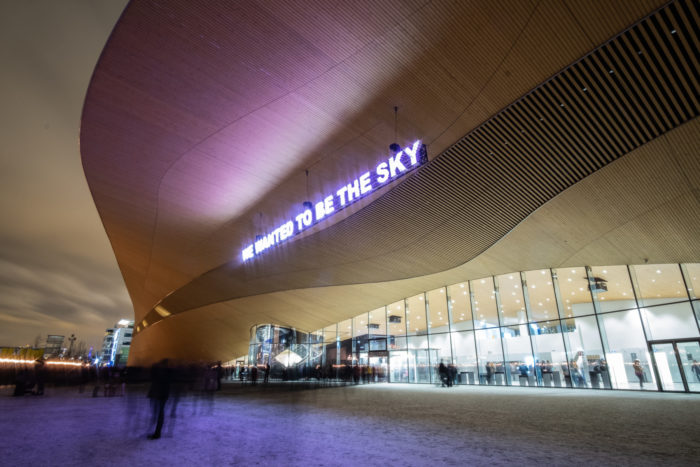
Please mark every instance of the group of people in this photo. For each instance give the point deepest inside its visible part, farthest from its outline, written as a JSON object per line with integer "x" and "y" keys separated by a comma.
{"x": 170, "y": 383}
{"x": 448, "y": 374}
{"x": 251, "y": 374}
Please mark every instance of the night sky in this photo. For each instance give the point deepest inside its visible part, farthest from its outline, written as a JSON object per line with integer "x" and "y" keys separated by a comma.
{"x": 58, "y": 273}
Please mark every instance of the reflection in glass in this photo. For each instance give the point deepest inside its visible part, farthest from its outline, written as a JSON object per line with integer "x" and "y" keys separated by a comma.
{"x": 626, "y": 348}
{"x": 484, "y": 300}
{"x": 658, "y": 283}
{"x": 573, "y": 289}
{"x": 612, "y": 287}
{"x": 438, "y": 319}
{"x": 460, "y": 307}
{"x": 540, "y": 293}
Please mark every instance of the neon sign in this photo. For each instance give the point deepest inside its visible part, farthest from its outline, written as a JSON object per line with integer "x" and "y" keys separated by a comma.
{"x": 395, "y": 166}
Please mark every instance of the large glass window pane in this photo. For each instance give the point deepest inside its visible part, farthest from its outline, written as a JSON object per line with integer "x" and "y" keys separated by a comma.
{"x": 359, "y": 325}
{"x": 437, "y": 311}
{"x": 316, "y": 349}
{"x": 346, "y": 343}
{"x": 613, "y": 289}
{"x": 692, "y": 278}
{"x": 573, "y": 288}
{"x": 484, "y": 299}
{"x": 396, "y": 325}
{"x": 316, "y": 336}
{"x": 628, "y": 362}
{"x": 344, "y": 330}
{"x": 540, "y": 292}
{"x": 490, "y": 355}
{"x": 419, "y": 359}
{"x": 689, "y": 352}
{"x": 360, "y": 339}
{"x": 416, "y": 322}
{"x": 460, "y": 307}
{"x": 464, "y": 354}
{"x": 550, "y": 354}
{"x": 520, "y": 366}
{"x": 659, "y": 283}
{"x": 584, "y": 352}
{"x": 667, "y": 366}
{"x": 377, "y": 323}
{"x": 440, "y": 351}
{"x": 330, "y": 333}
{"x": 674, "y": 321}
{"x": 398, "y": 366}
{"x": 511, "y": 297}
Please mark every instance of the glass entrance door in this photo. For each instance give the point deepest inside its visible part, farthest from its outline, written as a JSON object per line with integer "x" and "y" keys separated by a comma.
{"x": 678, "y": 364}
{"x": 689, "y": 355}
{"x": 379, "y": 363}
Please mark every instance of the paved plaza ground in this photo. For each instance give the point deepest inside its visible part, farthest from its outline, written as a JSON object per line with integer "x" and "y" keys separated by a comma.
{"x": 366, "y": 425}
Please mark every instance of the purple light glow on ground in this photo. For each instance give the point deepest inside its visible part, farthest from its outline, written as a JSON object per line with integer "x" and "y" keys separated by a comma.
{"x": 415, "y": 425}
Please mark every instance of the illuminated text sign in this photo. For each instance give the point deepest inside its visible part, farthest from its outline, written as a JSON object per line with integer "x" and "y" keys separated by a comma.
{"x": 395, "y": 166}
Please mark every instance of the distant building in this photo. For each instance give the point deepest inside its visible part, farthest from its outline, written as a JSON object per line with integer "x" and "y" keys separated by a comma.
{"x": 54, "y": 344}
{"x": 116, "y": 343}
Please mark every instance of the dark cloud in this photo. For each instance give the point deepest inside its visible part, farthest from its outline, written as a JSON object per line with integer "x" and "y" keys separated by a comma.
{"x": 58, "y": 274}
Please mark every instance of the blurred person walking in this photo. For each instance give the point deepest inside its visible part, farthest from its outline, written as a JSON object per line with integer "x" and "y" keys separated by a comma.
{"x": 159, "y": 393}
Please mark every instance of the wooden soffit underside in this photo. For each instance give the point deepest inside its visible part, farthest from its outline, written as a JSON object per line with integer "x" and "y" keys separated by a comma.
{"x": 621, "y": 96}
{"x": 201, "y": 120}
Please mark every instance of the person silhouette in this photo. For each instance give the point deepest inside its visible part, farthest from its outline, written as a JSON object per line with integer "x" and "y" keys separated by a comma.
{"x": 639, "y": 373}
{"x": 159, "y": 393}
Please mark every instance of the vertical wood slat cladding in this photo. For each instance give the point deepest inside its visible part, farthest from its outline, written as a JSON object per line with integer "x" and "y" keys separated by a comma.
{"x": 629, "y": 91}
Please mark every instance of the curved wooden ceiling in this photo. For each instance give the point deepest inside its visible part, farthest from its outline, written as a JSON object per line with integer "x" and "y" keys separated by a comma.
{"x": 199, "y": 119}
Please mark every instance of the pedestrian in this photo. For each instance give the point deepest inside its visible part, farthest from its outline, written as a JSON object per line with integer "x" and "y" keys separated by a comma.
{"x": 442, "y": 372}
{"x": 219, "y": 375}
{"x": 639, "y": 373}
{"x": 159, "y": 393}
{"x": 452, "y": 374}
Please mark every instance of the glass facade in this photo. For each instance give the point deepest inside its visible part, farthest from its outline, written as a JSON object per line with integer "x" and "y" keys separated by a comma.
{"x": 604, "y": 327}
